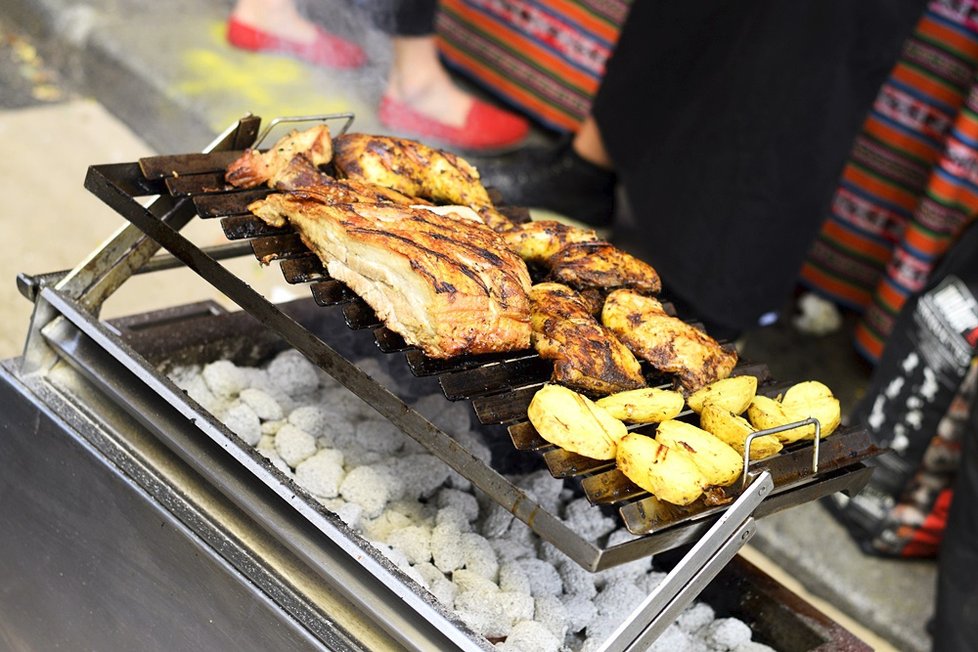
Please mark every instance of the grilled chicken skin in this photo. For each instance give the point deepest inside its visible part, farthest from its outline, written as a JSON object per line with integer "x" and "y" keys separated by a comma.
{"x": 667, "y": 343}
{"x": 448, "y": 286}
{"x": 254, "y": 168}
{"x": 603, "y": 266}
{"x": 538, "y": 242}
{"x": 586, "y": 355}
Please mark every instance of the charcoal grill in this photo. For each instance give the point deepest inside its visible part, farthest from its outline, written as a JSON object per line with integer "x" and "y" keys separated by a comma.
{"x": 65, "y": 328}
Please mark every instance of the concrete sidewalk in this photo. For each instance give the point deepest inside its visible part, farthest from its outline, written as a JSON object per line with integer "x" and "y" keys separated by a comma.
{"x": 164, "y": 69}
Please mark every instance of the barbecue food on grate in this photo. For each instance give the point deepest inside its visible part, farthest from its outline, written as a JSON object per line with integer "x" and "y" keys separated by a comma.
{"x": 733, "y": 394}
{"x": 646, "y": 405}
{"x": 415, "y": 169}
{"x": 667, "y": 473}
{"x": 667, "y": 343}
{"x": 801, "y": 401}
{"x": 301, "y": 173}
{"x": 586, "y": 355}
{"x": 734, "y": 429}
{"x": 602, "y": 265}
{"x": 716, "y": 460}
{"x": 254, "y": 168}
{"x": 575, "y": 423}
{"x": 537, "y": 242}
{"x": 449, "y": 286}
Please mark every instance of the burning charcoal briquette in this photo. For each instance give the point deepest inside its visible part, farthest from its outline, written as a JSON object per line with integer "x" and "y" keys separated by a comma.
{"x": 726, "y": 633}
{"x": 674, "y": 639}
{"x": 543, "y": 577}
{"x": 453, "y": 418}
{"x": 414, "y": 541}
{"x": 379, "y": 435}
{"x": 464, "y": 502}
{"x": 696, "y": 616}
{"x": 242, "y": 421}
{"x": 580, "y": 611}
{"x": 368, "y": 487}
{"x": 478, "y": 556}
{"x": 224, "y": 378}
{"x": 314, "y": 419}
{"x": 422, "y": 474}
{"x": 512, "y": 577}
{"x": 440, "y": 586}
{"x": 577, "y": 580}
{"x": 295, "y": 375}
{"x": 322, "y": 473}
{"x": 550, "y": 612}
{"x": 530, "y": 636}
{"x": 484, "y": 610}
{"x": 264, "y": 405}
{"x": 587, "y": 520}
{"x": 518, "y": 606}
{"x": 294, "y": 445}
{"x": 446, "y": 547}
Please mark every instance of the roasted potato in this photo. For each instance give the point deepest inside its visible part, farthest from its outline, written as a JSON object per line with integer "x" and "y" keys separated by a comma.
{"x": 716, "y": 460}
{"x": 667, "y": 473}
{"x": 733, "y": 394}
{"x": 734, "y": 429}
{"x": 646, "y": 405}
{"x": 807, "y": 399}
{"x": 572, "y": 421}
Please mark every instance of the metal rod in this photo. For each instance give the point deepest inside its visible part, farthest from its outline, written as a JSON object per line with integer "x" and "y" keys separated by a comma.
{"x": 322, "y": 117}
{"x": 771, "y": 431}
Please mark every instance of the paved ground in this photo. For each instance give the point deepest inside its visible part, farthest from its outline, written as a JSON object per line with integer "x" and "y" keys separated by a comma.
{"x": 162, "y": 71}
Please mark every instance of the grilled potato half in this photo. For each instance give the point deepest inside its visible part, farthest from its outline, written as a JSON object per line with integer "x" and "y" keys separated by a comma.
{"x": 575, "y": 423}
{"x": 807, "y": 399}
{"x": 734, "y": 429}
{"x": 646, "y": 405}
{"x": 716, "y": 460}
{"x": 733, "y": 394}
{"x": 667, "y": 473}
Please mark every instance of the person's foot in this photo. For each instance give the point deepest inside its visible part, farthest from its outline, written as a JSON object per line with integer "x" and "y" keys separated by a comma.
{"x": 315, "y": 45}
{"x": 483, "y": 127}
{"x": 555, "y": 179}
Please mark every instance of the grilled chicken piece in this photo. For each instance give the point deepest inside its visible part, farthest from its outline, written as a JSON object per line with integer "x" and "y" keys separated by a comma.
{"x": 667, "y": 343}
{"x": 413, "y": 168}
{"x": 253, "y": 168}
{"x": 587, "y": 356}
{"x": 603, "y": 266}
{"x": 538, "y": 242}
{"x": 448, "y": 286}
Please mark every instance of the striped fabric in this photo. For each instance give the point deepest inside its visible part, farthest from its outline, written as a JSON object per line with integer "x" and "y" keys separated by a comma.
{"x": 910, "y": 185}
{"x": 545, "y": 57}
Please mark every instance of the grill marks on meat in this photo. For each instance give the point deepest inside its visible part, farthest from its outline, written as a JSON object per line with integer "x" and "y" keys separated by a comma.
{"x": 537, "y": 242}
{"x": 254, "y": 168}
{"x": 584, "y": 265}
{"x": 667, "y": 343}
{"x": 586, "y": 355}
{"x": 447, "y": 285}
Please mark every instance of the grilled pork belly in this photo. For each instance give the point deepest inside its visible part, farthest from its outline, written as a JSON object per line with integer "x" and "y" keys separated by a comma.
{"x": 415, "y": 169}
{"x": 447, "y": 285}
{"x": 601, "y": 265}
{"x": 667, "y": 343}
{"x": 587, "y": 356}
{"x": 254, "y": 168}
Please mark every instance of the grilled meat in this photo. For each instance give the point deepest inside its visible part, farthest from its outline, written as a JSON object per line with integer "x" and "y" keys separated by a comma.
{"x": 447, "y": 285}
{"x": 254, "y": 168}
{"x": 587, "y": 356}
{"x": 667, "y": 343}
{"x": 601, "y": 265}
{"x": 538, "y": 242}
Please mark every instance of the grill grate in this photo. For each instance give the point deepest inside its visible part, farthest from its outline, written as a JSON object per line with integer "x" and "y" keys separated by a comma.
{"x": 498, "y": 386}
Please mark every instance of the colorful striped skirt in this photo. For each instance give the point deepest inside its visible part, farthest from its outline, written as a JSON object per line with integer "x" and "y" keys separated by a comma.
{"x": 910, "y": 185}
{"x": 545, "y": 57}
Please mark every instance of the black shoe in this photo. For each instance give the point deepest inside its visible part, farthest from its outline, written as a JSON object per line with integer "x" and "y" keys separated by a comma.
{"x": 553, "y": 178}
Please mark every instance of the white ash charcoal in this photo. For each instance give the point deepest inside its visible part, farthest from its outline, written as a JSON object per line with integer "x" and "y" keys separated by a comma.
{"x": 467, "y": 580}
{"x": 550, "y": 612}
{"x": 587, "y": 519}
{"x": 272, "y": 427}
{"x": 518, "y": 606}
{"x": 368, "y": 487}
{"x": 551, "y": 554}
{"x": 446, "y": 547}
{"x": 580, "y": 612}
{"x": 630, "y": 571}
{"x": 674, "y": 639}
{"x": 512, "y": 577}
{"x": 543, "y": 488}
{"x": 508, "y": 550}
{"x": 414, "y": 541}
{"x": 452, "y": 418}
{"x": 356, "y": 455}
{"x": 617, "y": 599}
{"x": 349, "y": 513}
{"x": 224, "y": 378}
{"x": 255, "y": 378}
{"x": 543, "y": 577}
{"x": 292, "y": 372}
{"x": 399, "y": 560}
{"x": 422, "y": 474}
{"x": 650, "y": 581}
{"x": 464, "y": 502}
{"x": 242, "y": 421}
{"x": 264, "y": 405}
{"x": 417, "y": 512}
{"x": 379, "y": 435}
{"x": 753, "y": 646}
{"x": 440, "y": 586}
{"x": 576, "y": 579}
{"x": 452, "y": 516}
{"x": 345, "y": 406}
{"x": 478, "y": 555}
{"x": 379, "y": 528}
{"x": 474, "y": 443}
{"x": 182, "y": 375}
{"x": 198, "y": 390}
{"x": 294, "y": 445}
{"x": 695, "y": 617}
{"x": 373, "y": 368}
{"x": 322, "y": 473}
{"x": 598, "y": 631}
{"x": 726, "y": 633}
{"x": 530, "y": 636}
{"x": 458, "y": 481}
{"x": 496, "y": 521}
{"x": 314, "y": 419}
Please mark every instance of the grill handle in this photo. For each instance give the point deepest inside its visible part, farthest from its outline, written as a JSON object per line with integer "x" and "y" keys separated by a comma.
{"x": 693, "y": 572}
